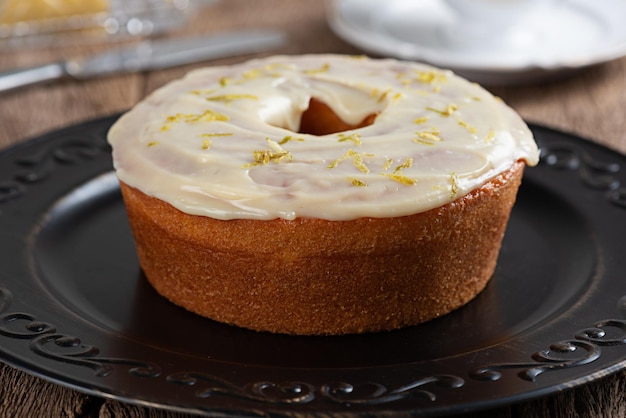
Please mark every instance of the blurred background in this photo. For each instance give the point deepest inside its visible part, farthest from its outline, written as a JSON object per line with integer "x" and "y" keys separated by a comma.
{"x": 537, "y": 55}
{"x": 41, "y": 23}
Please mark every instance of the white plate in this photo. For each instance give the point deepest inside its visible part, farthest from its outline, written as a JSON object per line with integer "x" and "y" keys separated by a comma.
{"x": 565, "y": 35}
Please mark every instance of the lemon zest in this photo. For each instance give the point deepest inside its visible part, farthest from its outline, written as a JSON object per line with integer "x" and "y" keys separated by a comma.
{"x": 214, "y": 134}
{"x": 454, "y": 185}
{"x": 275, "y": 154}
{"x": 357, "y": 182}
{"x": 228, "y": 98}
{"x": 357, "y": 160}
{"x": 354, "y": 137}
{"x": 450, "y": 109}
{"x": 324, "y": 68}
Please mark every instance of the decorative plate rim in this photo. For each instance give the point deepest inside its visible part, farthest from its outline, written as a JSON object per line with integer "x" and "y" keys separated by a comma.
{"x": 326, "y": 391}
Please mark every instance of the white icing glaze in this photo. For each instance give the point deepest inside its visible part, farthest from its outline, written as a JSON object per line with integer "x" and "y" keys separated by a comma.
{"x": 192, "y": 143}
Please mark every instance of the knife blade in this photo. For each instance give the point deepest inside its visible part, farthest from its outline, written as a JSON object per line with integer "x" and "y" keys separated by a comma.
{"x": 145, "y": 56}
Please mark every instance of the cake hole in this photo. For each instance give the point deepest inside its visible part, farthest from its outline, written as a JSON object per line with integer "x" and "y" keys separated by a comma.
{"x": 320, "y": 119}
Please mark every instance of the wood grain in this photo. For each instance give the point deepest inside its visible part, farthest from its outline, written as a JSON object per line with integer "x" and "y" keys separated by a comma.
{"x": 590, "y": 103}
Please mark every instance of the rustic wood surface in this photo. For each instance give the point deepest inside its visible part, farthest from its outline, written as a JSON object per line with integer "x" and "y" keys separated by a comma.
{"x": 590, "y": 103}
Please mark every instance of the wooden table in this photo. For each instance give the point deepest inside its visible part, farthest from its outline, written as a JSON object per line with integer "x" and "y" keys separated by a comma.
{"x": 591, "y": 103}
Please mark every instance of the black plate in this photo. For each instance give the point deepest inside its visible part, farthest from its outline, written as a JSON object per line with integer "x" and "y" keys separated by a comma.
{"x": 75, "y": 308}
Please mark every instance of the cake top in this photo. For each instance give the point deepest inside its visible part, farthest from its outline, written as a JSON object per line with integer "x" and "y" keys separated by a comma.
{"x": 224, "y": 142}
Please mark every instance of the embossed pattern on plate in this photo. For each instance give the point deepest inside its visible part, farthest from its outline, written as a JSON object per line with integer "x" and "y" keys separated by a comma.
{"x": 76, "y": 309}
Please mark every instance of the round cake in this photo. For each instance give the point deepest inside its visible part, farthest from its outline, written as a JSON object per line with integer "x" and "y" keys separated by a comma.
{"x": 320, "y": 194}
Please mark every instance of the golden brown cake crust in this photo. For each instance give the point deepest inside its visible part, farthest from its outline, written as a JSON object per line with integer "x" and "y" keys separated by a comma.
{"x": 311, "y": 276}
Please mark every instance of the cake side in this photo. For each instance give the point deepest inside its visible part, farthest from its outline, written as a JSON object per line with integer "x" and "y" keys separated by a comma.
{"x": 312, "y": 276}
